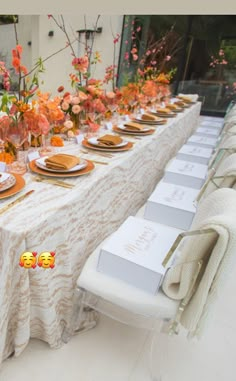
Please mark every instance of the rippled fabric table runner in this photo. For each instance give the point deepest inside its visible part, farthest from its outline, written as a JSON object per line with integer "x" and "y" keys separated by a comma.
{"x": 37, "y": 302}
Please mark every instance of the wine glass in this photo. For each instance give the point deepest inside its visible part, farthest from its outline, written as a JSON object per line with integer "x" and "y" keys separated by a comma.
{"x": 2, "y": 137}
{"x": 16, "y": 133}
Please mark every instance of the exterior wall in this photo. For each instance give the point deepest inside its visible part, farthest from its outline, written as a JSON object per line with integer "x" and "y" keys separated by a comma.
{"x": 35, "y": 28}
{"x": 58, "y": 67}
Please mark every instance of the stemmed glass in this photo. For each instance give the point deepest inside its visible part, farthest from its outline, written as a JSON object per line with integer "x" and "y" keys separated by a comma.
{"x": 2, "y": 137}
{"x": 16, "y": 133}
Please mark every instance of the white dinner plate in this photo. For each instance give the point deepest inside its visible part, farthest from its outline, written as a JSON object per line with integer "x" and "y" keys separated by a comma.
{"x": 95, "y": 142}
{"x": 41, "y": 164}
{"x": 7, "y": 181}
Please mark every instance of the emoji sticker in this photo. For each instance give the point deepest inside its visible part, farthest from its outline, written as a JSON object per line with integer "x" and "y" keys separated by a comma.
{"x": 46, "y": 259}
{"x": 28, "y": 260}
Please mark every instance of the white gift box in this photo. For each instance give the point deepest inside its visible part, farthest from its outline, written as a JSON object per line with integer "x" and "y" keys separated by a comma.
{"x": 202, "y": 141}
{"x": 212, "y": 124}
{"x": 172, "y": 205}
{"x": 135, "y": 252}
{"x": 185, "y": 173}
{"x": 209, "y": 132}
{"x": 194, "y": 154}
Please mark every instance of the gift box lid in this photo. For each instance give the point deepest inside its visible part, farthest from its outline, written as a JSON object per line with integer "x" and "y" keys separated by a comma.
{"x": 175, "y": 196}
{"x": 142, "y": 242}
{"x": 186, "y": 168}
{"x": 196, "y": 151}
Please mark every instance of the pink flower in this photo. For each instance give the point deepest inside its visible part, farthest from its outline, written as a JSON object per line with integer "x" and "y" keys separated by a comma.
{"x": 126, "y": 57}
{"x": 116, "y": 39}
{"x": 138, "y": 29}
{"x": 75, "y": 100}
{"x": 126, "y": 42}
{"x": 134, "y": 50}
{"x": 81, "y": 64}
{"x": 13, "y": 110}
{"x": 135, "y": 57}
{"x": 168, "y": 58}
{"x": 76, "y": 109}
{"x": 65, "y": 106}
{"x": 82, "y": 96}
{"x": 68, "y": 124}
{"x": 221, "y": 52}
{"x": 148, "y": 52}
{"x": 70, "y": 134}
{"x": 110, "y": 95}
{"x": 43, "y": 124}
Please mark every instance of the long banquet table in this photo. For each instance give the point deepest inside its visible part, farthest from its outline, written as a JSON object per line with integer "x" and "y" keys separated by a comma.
{"x": 37, "y": 303}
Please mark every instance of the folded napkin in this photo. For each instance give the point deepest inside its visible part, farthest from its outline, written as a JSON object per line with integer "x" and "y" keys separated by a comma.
{"x": 163, "y": 110}
{"x": 172, "y": 107}
{"x": 188, "y": 97}
{"x": 62, "y": 161}
{"x": 149, "y": 117}
{"x": 216, "y": 249}
{"x": 132, "y": 126}
{"x": 180, "y": 103}
{"x": 109, "y": 140}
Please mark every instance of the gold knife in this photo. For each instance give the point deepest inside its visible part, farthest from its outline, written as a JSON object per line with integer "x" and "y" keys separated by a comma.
{"x": 19, "y": 199}
{"x": 53, "y": 182}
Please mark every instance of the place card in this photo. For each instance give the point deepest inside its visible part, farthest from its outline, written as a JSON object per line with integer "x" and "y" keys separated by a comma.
{"x": 172, "y": 205}
{"x": 185, "y": 173}
{"x": 134, "y": 253}
{"x": 33, "y": 155}
{"x": 79, "y": 138}
{"x": 3, "y": 166}
{"x": 109, "y": 126}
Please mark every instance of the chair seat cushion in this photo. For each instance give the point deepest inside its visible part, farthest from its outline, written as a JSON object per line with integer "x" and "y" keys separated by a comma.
{"x": 124, "y": 295}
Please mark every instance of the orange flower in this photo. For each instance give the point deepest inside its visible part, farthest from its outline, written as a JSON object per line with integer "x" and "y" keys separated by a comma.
{"x": 16, "y": 60}
{"x": 6, "y": 157}
{"x": 56, "y": 141}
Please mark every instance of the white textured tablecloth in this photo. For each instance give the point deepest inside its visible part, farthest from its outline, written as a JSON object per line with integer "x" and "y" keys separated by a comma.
{"x": 72, "y": 222}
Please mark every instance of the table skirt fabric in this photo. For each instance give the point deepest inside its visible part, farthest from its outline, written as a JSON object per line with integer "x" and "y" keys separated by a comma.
{"x": 37, "y": 303}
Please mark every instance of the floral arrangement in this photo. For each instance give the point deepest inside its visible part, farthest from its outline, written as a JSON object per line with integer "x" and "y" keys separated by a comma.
{"x": 89, "y": 101}
{"x": 218, "y": 60}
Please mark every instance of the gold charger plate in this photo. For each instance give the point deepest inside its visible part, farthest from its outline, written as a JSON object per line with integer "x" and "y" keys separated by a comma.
{"x": 17, "y": 187}
{"x": 170, "y": 115}
{"x": 127, "y": 147}
{"x": 150, "y": 122}
{"x": 90, "y": 166}
{"x": 139, "y": 133}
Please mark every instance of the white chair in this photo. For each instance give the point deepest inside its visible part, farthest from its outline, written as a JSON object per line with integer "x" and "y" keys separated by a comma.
{"x": 191, "y": 285}
{"x": 224, "y": 149}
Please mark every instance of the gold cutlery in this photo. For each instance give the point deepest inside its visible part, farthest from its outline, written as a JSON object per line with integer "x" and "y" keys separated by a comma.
{"x": 104, "y": 154}
{"x": 53, "y": 182}
{"x": 98, "y": 162}
{"x": 16, "y": 201}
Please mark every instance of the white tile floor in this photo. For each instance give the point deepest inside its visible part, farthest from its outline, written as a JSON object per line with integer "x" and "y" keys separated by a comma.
{"x": 112, "y": 352}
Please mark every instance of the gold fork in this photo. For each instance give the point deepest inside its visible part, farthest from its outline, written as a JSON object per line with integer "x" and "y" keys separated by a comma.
{"x": 53, "y": 182}
{"x": 104, "y": 154}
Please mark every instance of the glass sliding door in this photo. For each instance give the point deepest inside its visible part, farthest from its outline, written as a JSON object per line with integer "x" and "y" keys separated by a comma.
{"x": 204, "y": 58}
